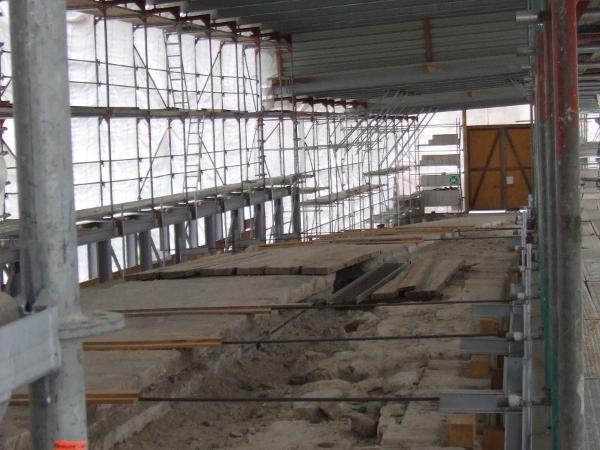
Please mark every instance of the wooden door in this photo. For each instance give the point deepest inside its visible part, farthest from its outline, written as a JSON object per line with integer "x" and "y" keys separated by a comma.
{"x": 498, "y": 165}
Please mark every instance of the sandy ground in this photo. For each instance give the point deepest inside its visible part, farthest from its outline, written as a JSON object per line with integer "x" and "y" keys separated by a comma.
{"x": 419, "y": 367}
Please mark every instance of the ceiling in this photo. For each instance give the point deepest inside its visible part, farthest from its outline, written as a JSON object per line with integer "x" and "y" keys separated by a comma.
{"x": 405, "y": 56}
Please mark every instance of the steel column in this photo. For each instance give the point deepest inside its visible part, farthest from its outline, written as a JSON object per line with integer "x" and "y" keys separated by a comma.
{"x": 193, "y": 233}
{"x": 549, "y": 170}
{"x": 237, "y": 220}
{"x": 104, "y": 261}
{"x": 92, "y": 258}
{"x": 145, "y": 239}
{"x": 570, "y": 329}
{"x": 210, "y": 236}
{"x": 277, "y": 219}
{"x": 131, "y": 247}
{"x": 541, "y": 183}
{"x": 180, "y": 242}
{"x": 296, "y": 213}
{"x": 13, "y": 284}
{"x": 46, "y": 206}
{"x": 165, "y": 239}
{"x": 259, "y": 222}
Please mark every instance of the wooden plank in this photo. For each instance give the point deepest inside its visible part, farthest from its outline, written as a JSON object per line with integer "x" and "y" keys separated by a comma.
{"x": 306, "y": 259}
{"x": 591, "y": 300}
{"x": 591, "y": 348}
{"x": 125, "y": 397}
{"x": 273, "y": 262}
{"x": 438, "y": 276}
{"x": 215, "y": 266}
{"x": 383, "y": 239}
{"x": 349, "y": 241}
{"x": 416, "y": 275}
{"x": 479, "y": 367}
{"x": 463, "y": 430}
{"x": 157, "y": 344}
{"x": 195, "y": 311}
{"x": 493, "y": 439}
{"x": 337, "y": 261}
{"x": 394, "y": 231}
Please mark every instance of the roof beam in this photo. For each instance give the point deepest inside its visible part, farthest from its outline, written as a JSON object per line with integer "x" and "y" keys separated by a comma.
{"x": 457, "y": 100}
{"x": 389, "y": 78}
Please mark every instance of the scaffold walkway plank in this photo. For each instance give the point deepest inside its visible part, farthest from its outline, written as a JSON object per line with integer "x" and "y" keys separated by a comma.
{"x": 152, "y": 344}
{"x": 405, "y": 281}
{"x": 304, "y": 260}
{"x": 436, "y": 278}
{"x": 196, "y": 311}
{"x": 92, "y": 397}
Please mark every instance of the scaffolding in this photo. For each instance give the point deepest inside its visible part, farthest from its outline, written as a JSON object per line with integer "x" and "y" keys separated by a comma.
{"x": 170, "y": 110}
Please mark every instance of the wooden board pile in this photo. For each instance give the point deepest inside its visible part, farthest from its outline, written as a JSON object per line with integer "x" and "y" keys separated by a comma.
{"x": 305, "y": 260}
{"x": 422, "y": 280}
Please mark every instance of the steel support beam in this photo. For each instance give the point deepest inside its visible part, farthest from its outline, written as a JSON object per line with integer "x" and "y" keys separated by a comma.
{"x": 473, "y": 401}
{"x": 145, "y": 242}
{"x": 46, "y": 205}
{"x": 193, "y": 233}
{"x": 490, "y": 346}
{"x": 180, "y": 243}
{"x": 278, "y": 219}
{"x": 210, "y": 233}
{"x": 92, "y": 258}
{"x": 569, "y": 308}
{"x": 493, "y": 309}
{"x": 165, "y": 238}
{"x": 465, "y": 99}
{"x": 104, "y": 261}
{"x": 296, "y": 213}
{"x": 14, "y": 285}
{"x": 237, "y": 222}
{"x": 131, "y": 248}
{"x": 260, "y": 232}
{"x": 395, "y": 78}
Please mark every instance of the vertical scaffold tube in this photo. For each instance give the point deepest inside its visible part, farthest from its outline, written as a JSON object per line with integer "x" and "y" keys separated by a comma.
{"x": 46, "y": 206}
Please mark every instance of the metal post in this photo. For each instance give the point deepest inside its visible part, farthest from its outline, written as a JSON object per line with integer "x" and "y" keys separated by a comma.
{"x": 131, "y": 246}
{"x": 277, "y": 219}
{"x": 259, "y": 222}
{"x": 145, "y": 250}
{"x": 236, "y": 223}
{"x": 570, "y": 330}
{"x": 165, "y": 239}
{"x": 104, "y": 261}
{"x": 210, "y": 224}
{"x": 46, "y": 206}
{"x": 92, "y": 257}
{"x": 193, "y": 233}
{"x": 296, "y": 213}
{"x": 180, "y": 242}
{"x": 549, "y": 170}
{"x": 541, "y": 150}
{"x": 13, "y": 284}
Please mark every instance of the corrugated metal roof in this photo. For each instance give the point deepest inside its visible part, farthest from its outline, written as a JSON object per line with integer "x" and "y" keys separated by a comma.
{"x": 349, "y": 40}
{"x": 294, "y": 16}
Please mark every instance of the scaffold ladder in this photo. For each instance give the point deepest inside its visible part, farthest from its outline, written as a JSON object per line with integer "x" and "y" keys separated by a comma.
{"x": 193, "y": 127}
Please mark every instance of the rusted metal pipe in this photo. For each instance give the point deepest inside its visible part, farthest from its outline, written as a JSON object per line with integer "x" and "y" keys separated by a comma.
{"x": 566, "y": 123}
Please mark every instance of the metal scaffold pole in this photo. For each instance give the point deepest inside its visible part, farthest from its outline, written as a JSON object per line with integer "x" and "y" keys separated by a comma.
{"x": 569, "y": 308}
{"x": 550, "y": 237}
{"x": 46, "y": 206}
